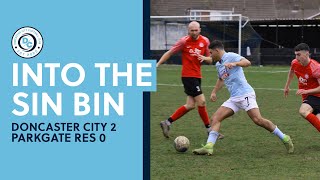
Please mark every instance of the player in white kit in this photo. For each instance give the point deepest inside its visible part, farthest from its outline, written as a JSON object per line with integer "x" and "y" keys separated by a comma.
{"x": 242, "y": 96}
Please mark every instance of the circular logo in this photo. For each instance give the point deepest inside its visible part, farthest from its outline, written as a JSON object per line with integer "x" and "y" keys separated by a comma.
{"x": 27, "y": 42}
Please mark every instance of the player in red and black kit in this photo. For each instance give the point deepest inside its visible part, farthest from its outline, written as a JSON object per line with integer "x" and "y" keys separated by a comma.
{"x": 191, "y": 46}
{"x": 308, "y": 73}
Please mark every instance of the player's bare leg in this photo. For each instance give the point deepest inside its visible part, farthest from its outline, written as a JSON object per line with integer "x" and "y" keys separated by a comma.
{"x": 256, "y": 117}
{"x": 221, "y": 114}
{"x": 201, "y": 103}
{"x": 306, "y": 112}
{"x": 305, "y": 109}
{"x": 190, "y": 103}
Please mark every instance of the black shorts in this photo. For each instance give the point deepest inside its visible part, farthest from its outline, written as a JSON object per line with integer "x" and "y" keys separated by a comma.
{"x": 192, "y": 86}
{"x": 314, "y": 102}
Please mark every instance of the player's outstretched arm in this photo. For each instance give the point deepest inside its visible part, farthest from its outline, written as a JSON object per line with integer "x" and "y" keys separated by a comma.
{"x": 216, "y": 88}
{"x": 309, "y": 91}
{"x": 202, "y": 58}
{"x": 164, "y": 57}
{"x": 242, "y": 63}
{"x": 289, "y": 79}
{"x": 315, "y": 90}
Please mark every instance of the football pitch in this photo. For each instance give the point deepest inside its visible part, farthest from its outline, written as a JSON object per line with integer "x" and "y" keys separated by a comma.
{"x": 247, "y": 151}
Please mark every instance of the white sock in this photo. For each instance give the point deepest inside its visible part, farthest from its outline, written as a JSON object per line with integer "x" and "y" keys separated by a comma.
{"x": 213, "y": 136}
{"x": 168, "y": 122}
{"x": 278, "y": 133}
{"x": 208, "y": 129}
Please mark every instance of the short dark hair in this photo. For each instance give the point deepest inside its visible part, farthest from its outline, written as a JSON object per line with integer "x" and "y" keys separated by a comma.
{"x": 216, "y": 44}
{"x": 302, "y": 47}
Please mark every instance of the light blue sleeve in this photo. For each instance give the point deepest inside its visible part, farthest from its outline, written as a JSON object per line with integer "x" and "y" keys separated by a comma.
{"x": 235, "y": 57}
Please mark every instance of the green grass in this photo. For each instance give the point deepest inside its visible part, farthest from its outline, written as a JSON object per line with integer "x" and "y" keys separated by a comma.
{"x": 248, "y": 151}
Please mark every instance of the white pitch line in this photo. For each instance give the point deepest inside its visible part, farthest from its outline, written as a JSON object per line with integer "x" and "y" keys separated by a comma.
{"x": 270, "y": 89}
{"x": 267, "y": 71}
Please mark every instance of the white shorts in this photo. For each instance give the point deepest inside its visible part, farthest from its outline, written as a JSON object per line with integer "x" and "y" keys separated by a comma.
{"x": 245, "y": 102}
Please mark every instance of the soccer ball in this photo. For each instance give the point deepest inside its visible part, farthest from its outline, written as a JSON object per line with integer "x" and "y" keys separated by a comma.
{"x": 181, "y": 144}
